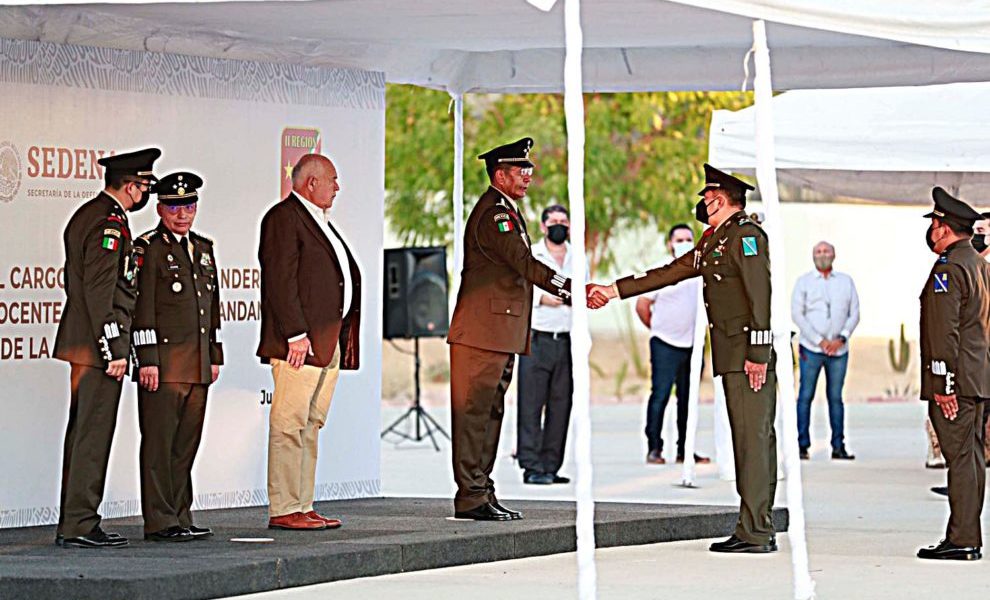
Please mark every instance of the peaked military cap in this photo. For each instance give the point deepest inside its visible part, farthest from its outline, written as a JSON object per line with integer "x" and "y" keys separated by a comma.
{"x": 178, "y": 189}
{"x": 136, "y": 164}
{"x": 516, "y": 153}
{"x": 954, "y": 210}
{"x": 715, "y": 179}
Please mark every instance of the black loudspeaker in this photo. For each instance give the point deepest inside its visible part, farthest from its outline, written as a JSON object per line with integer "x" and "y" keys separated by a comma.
{"x": 415, "y": 292}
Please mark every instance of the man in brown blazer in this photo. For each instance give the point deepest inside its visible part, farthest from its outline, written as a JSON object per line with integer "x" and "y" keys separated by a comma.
{"x": 491, "y": 324}
{"x": 310, "y": 321}
{"x": 955, "y": 368}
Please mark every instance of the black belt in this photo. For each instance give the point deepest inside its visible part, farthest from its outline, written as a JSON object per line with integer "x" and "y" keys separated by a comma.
{"x": 555, "y": 335}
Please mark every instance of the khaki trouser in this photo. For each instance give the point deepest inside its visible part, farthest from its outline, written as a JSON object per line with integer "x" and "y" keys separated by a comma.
{"x": 754, "y": 445}
{"x": 299, "y": 409}
{"x": 962, "y": 447}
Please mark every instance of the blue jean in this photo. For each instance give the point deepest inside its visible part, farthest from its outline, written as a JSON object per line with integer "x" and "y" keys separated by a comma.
{"x": 671, "y": 366}
{"x": 811, "y": 364}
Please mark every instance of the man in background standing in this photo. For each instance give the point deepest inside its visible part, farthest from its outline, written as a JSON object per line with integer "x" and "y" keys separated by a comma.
{"x": 546, "y": 383}
{"x": 825, "y": 307}
{"x": 670, "y": 314}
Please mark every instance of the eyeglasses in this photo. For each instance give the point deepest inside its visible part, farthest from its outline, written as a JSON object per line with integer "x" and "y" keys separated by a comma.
{"x": 187, "y": 208}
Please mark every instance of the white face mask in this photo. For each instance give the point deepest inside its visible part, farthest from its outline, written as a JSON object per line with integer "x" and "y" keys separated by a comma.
{"x": 682, "y": 248}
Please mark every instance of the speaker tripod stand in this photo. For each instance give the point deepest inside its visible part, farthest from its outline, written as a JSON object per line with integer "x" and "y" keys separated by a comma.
{"x": 423, "y": 423}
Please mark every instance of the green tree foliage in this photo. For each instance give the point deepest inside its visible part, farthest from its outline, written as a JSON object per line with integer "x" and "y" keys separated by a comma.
{"x": 643, "y": 157}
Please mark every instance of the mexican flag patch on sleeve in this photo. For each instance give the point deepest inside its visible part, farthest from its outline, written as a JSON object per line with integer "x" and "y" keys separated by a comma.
{"x": 109, "y": 243}
{"x": 505, "y": 226}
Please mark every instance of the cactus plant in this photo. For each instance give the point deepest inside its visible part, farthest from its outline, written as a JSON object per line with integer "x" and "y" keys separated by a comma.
{"x": 899, "y": 362}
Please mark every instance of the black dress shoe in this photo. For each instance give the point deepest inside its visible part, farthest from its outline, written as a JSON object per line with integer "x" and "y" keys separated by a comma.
{"x": 941, "y": 490}
{"x": 803, "y": 454}
{"x": 734, "y": 544}
{"x": 485, "y": 512}
{"x": 514, "y": 514}
{"x": 171, "y": 534}
{"x": 59, "y": 538}
{"x": 946, "y": 550}
{"x": 96, "y": 539}
{"x": 538, "y": 478}
{"x": 560, "y": 479}
{"x": 841, "y": 454}
{"x": 200, "y": 533}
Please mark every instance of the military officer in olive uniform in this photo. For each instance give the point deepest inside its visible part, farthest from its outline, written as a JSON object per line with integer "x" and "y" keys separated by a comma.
{"x": 94, "y": 338}
{"x": 955, "y": 368}
{"x": 178, "y": 355}
{"x": 733, "y": 261}
{"x": 490, "y": 325}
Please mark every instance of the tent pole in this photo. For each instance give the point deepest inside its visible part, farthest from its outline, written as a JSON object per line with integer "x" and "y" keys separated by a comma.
{"x": 766, "y": 175}
{"x": 580, "y": 336}
{"x": 458, "y": 194}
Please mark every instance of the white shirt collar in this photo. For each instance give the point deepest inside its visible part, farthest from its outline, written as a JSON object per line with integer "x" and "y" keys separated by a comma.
{"x": 320, "y": 213}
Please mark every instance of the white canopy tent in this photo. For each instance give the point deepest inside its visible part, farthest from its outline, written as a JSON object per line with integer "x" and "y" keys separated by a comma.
{"x": 886, "y": 144}
{"x": 613, "y": 45}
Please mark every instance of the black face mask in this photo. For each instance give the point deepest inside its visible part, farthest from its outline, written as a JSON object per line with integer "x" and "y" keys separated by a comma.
{"x": 145, "y": 197}
{"x": 701, "y": 211}
{"x": 979, "y": 242}
{"x": 928, "y": 238}
{"x": 557, "y": 233}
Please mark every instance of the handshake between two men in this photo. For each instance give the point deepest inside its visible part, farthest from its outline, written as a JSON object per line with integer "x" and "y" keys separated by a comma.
{"x": 599, "y": 295}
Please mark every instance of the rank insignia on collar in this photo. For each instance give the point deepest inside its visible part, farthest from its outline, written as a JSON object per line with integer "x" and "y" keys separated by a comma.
{"x": 505, "y": 226}
{"x": 943, "y": 259}
{"x": 749, "y": 246}
{"x": 940, "y": 283}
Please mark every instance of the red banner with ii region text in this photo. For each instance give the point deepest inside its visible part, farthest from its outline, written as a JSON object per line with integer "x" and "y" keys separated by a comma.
{"x": 296, "y": 143}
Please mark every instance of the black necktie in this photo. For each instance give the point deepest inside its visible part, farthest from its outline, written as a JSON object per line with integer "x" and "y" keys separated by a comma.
{"x": 185, "y": 247}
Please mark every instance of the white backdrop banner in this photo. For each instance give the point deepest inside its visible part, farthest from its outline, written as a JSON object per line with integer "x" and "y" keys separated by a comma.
{"x": 239, "y": 125}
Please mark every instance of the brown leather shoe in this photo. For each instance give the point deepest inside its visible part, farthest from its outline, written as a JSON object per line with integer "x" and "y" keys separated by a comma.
{"x": 655, "y": 458}
{"x": 330, "y": 523}
{"x": 698, "y": 459}
{"x": 295, "y": 521}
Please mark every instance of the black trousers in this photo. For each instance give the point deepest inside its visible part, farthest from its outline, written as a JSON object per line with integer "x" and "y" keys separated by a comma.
{"x": 92, "y": 420}
{"x": 478, "y": 382}
{"x": 546, "y": 390}
{"x": 171, "y": 420}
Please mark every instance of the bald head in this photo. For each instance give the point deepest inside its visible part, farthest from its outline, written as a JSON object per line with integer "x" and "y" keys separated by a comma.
{"x": 823, "y": 255}
{"x": 315, "y": 178}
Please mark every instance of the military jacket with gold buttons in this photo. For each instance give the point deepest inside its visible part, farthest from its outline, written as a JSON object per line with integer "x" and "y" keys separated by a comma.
{"x": 100, "y": 277}
{"x": 495, "y": 302}
{"x": 955, "y": 325}
{"x": 177, "y": 318}
{"x": 734, "y": 262}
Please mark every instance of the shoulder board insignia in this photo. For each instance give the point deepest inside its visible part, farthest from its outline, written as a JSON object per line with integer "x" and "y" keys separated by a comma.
{"x": 943, "y": 259}
{"x": 115, "y": 219}
{"x": 502, "y": 202}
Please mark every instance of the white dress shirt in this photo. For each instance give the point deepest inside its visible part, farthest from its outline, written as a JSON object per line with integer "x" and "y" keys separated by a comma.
{"x": 824, "y": 308}
{"x": 675, "y": 309}
{"x": 551, "y": 319}
{"x": 322, "y": 218}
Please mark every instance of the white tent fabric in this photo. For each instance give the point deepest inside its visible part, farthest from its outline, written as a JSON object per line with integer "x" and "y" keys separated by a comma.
{"x": 484, "y": 46}
{"x": 888, "y": 144}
